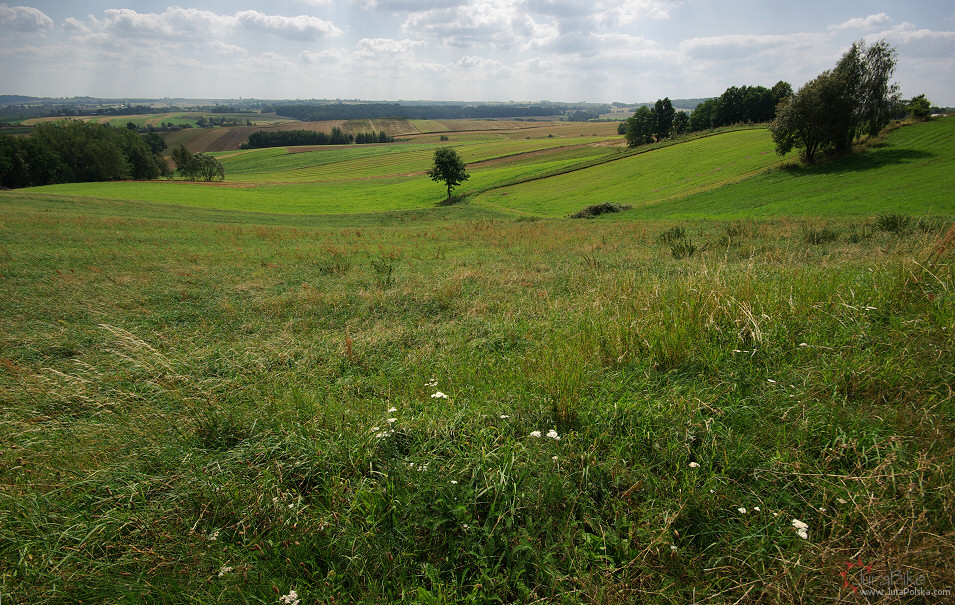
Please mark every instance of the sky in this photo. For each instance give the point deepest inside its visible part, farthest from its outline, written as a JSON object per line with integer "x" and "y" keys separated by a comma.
{"x": 596, "y": 51}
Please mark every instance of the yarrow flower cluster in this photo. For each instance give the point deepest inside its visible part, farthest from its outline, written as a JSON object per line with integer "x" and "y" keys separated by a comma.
{"x": 290, "y": 599}
{"x": 802, "y": 529}
{"x": 381, "y": 433}
{"x": 433, "y": 384}
{"x": 551, "y": 434}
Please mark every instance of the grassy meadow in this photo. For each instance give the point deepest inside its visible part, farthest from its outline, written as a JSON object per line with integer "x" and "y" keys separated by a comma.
{"x": 331, "y": 383}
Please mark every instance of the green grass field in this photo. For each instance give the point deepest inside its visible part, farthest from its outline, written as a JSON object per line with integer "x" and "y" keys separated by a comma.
{"x": 336, "y": 385}
{"x": 728, "y": 175}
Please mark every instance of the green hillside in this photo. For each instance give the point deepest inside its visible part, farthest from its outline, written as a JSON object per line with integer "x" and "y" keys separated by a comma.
{"x": 732, "y": 174}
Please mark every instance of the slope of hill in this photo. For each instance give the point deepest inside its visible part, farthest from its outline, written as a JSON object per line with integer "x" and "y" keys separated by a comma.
{"x": 730, "y": 174}
{"x": 910, "y": 169}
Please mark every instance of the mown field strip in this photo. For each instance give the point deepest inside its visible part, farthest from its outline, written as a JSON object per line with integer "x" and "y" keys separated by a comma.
{"x": 332, "y": 196}
{"x": 644, "y": 178}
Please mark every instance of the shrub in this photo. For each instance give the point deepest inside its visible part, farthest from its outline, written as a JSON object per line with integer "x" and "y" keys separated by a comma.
{"x": 893, "y": 223}
{"x": 820, "y": 236}
{"x": 682, "y": 249}
{"x": 673, "y": 234}
{"x": 598, "y": 209}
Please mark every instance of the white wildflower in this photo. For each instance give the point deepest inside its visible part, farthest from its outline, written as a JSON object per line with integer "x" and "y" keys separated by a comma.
{"x": 439, "y": 395}
{"x": 535, "y": 434}
{"x": 225, "y": 569}
{"x": 392, "y": 420}
{"x": 673, "y": 548}
{"x": 553, "y": 435}
{"x": 802, "y": 530}
{"x": 756, "y": 508}
{"x": 390, "y": 410}
{"x": 213, "y": 535}
{"x": 453, "y": 482}
{"x": 504, "y": 416}
{"x": 375, "y": 429}
{"x": 554, "y": 458}
{"x": 431, "y": 383}
{"x": 741, "y": 510}
{"x": 694, "y": 465}
{"x": 290, "y": 599}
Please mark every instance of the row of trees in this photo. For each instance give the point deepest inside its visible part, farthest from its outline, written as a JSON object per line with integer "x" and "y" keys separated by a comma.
{"x": 286, "y": 138}
{"x": 74, "y": 151}
{"x": 369, "y": 111}
{"x": 841, "y": 105}
{"x": 647, "y": 124}
{"x": 737, "y": 105}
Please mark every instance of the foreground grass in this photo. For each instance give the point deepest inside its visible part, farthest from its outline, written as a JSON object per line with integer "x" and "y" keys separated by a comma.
{"x": 219, "y": 407}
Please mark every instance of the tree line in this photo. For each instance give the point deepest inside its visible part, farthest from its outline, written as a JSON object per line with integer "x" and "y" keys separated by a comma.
{"x": 737, "y": 105}
{"x": 371, "y": 111}
{"x": 73, "y": 152}
{"x": 291, "y": 138}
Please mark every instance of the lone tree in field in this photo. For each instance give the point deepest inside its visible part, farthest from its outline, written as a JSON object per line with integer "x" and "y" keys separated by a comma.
{"x": 448, "y": 168}
{"x": 844, "y": 104}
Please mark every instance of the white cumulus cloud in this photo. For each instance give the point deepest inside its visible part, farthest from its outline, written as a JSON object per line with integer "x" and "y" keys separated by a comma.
{"x": 24, "y": 19}
{"x": 302, "y": 27}
{"x": 173, "y": 23}
{"x": 865, "y": 23}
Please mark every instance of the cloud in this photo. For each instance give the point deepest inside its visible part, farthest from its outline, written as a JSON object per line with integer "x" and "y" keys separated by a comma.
{"x": 497, "y": 23}
{"x": 302, "y": 27}
{"x": 628, "y": 11}
{"x": 222, "y": 49}
{"x": 174, "y": 23}
{"x": 377, "y": 48}
{"x": 870, "y": 22}
{"x": 23, "y": 19}
{"x": 914, "y": 42}
{"x": 407, "y": 6}
{"x": 75, "y": 26}
{"x": 745, "y": 46}
{"x": 197, "y": 25}
{"x": 324, "y": 57}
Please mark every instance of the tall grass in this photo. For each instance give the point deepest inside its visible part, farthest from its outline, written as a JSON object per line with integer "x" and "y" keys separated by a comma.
{"x": 198, "y": 411}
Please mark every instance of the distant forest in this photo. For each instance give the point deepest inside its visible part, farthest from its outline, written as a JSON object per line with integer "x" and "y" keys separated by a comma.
{"x": 371, "y": 111}
{"x": 286, "y": 138}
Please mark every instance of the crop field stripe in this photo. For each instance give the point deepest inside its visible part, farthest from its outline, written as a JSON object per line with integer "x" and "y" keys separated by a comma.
{"x": 646, "y": 177}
